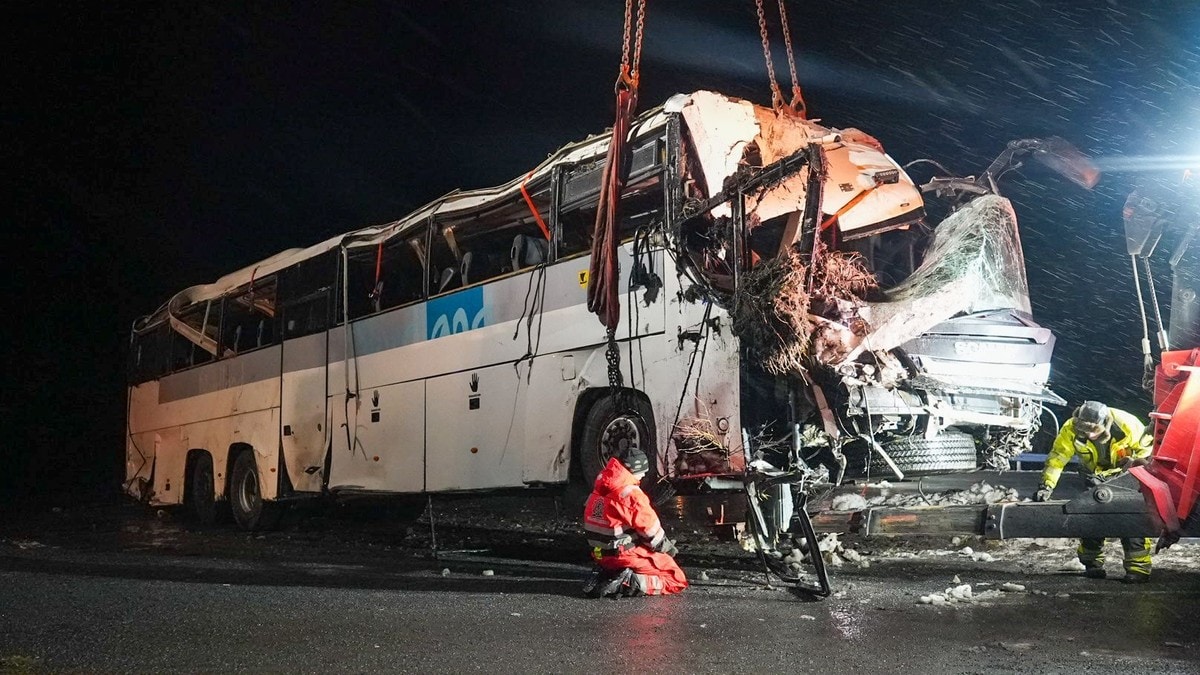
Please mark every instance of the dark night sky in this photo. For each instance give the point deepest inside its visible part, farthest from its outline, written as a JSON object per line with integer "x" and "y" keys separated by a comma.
{"x": 156, "y": 147}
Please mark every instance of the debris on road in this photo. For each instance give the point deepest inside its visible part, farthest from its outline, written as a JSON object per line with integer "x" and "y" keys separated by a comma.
{"x": 979, "y": 493}
{"x": 1017, "y": 646}
{"x": 1073, "y": 566}
{"x": 960, "y": 594}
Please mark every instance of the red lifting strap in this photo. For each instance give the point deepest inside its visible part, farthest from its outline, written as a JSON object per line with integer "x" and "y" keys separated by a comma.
{"x": 604, "y": 273}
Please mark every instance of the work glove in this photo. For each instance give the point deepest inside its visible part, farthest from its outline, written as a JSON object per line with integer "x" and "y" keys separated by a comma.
{"x": 667, "y": 546}
{"x": 1043, "y": 493}
{"x": 1130, "y": 462}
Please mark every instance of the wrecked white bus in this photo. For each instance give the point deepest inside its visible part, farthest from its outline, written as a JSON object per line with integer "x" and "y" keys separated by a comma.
{"x": 787, "y": 303}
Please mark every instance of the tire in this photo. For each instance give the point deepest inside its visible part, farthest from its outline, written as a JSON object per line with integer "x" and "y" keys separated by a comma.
{"x": 920, "y": 456}
{"x": 615, "y": 425}
{"x": 200, "y": 505}
{"x": 250, "y": 512}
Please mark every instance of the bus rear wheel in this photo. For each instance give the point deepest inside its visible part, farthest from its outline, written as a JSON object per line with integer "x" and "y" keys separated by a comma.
{"x": 616, "y": 425}
{"x": 250, "y": 511}
{"x": 199, "y": 503}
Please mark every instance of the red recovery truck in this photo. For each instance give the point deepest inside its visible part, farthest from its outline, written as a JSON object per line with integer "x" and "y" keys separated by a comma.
{"x": 1171, "y": 482}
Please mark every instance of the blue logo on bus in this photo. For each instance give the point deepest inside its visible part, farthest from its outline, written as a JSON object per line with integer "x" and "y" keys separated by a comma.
{"x": 455, "y": 313}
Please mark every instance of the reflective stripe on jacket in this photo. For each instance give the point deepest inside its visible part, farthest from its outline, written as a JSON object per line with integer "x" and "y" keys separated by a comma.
{"x": 1129, "y": 439}
{"x": 618, "y": 512}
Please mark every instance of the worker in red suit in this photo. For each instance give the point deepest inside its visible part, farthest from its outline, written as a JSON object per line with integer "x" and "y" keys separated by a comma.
{"x": 632, "y": 552}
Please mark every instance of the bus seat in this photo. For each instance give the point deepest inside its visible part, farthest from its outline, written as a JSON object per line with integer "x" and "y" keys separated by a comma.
{"x": 528, "y": 251}
{"x": 447, "y": 280}
{"x": 474, "y": 267}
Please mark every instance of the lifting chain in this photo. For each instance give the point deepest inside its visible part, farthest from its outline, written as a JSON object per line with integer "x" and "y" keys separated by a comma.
{"x": 613, "y": 356}
{"x": 797, "y": 105}
{"x": 631, "y": 62}
{"x": 604, "y": 271}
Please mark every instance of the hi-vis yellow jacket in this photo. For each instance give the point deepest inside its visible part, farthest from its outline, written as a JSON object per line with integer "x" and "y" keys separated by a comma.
{"x": 1129, "y": 439}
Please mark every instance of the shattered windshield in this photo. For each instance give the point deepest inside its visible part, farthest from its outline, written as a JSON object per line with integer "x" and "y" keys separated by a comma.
{"x": 974, "y": 263}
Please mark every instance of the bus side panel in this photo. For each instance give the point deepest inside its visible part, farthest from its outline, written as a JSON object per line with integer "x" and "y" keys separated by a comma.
{"x": 475, "y": 429}
{"x": 210, "y": 407}
{"x": 710, "y": 393}
{"x": 170, "y": 456}
{"x": 385, "y": 448}
{"x": 549, "y": 404}
{"x": 566, "y": 322}
{"x": 140, "y": 445}
{"x": 302, "y": 411}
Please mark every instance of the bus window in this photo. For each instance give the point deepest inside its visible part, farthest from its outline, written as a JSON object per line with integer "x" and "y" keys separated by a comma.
{"x": 641, "y": 205}
{"x": 382, "y": 277}
{"x": 444, "y": 264}
{"x": 494, "y": 251}
{"x": 304, "y": 294}
{"x": 203, "y": 320}
{"x": 249, "y": 318}
{"x": 307, "y": 316}
{"x": 149, "y": 354}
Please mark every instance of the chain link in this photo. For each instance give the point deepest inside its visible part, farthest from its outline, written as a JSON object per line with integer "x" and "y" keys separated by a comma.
{"x": 625, "y": 41}
{"x": 776, "y": 96}
{"x": 631, "y": 60}
{"x": 641, "y": 32}
{"x": 613, "y": 356}
{"x": 797, "y": 105}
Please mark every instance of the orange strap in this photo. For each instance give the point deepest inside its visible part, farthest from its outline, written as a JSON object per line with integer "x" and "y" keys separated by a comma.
{"x": 378, "y": 263}
{"x": 533, "y": 209}
{"x": 848, "y": 205}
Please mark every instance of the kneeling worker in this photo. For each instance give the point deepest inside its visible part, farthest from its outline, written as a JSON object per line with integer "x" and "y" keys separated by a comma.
{"x": 1107, "y": 441}
{"x": 632, "y": 553}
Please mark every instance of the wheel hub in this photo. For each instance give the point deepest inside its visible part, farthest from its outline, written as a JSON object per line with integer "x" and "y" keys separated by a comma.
{"x": 620, "y": 437}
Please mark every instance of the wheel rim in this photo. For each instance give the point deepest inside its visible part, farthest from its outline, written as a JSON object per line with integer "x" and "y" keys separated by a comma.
{"x": 620, "y": 437}
{"x": 247, "y": 494}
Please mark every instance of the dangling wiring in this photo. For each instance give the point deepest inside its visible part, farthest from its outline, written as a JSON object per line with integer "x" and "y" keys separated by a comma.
{"x": 535, "y": 302}
{"x": 704, "y": 324}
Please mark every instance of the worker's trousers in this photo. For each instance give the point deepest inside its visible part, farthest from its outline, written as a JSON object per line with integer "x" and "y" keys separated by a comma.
{"x": 1137, "y": 554}
{"x": 654, "y": 573}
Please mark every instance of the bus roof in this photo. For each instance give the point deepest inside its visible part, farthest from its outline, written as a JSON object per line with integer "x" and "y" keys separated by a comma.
{"x": 728, "y": 124}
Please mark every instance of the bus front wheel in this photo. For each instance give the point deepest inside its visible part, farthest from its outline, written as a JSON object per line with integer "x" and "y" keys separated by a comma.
{"x": 616, "y": 425}
{"x": 250, "y": 511}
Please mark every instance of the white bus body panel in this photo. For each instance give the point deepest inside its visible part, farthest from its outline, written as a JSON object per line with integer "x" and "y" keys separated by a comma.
{"x": 210, "y": 407}
{"x": 388, "y": 437}
{"x": 473, "y": 448}
{"x": 521, "y": 429}
{"x": 302, "y": 411}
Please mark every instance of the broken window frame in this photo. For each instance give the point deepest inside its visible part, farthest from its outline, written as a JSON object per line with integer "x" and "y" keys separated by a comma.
{"x": 400, "y": 261}
{"x": 258, "y": 299}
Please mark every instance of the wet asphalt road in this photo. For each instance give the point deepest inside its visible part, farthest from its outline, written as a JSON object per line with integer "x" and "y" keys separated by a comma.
{"x": 116, "y": 589}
